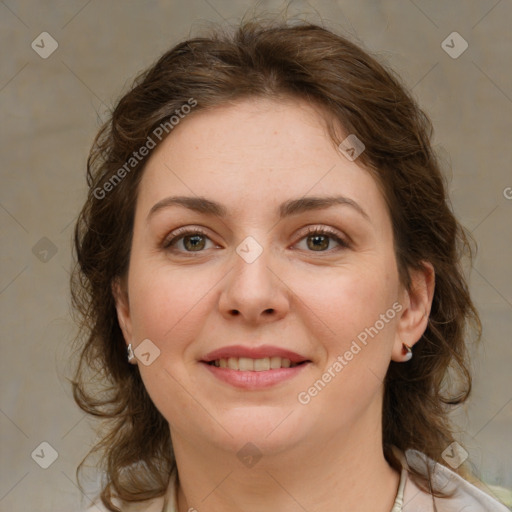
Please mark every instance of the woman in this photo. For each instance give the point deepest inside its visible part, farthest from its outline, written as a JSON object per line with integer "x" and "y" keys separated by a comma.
{"x": 270, "y": 283}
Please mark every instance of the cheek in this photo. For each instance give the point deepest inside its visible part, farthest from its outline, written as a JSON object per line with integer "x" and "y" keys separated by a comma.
{"x": 356, "y": 340}
{"x": 349, "y": 301}
{"x": 159, "y": 300}
{"x": 170, "y": 306}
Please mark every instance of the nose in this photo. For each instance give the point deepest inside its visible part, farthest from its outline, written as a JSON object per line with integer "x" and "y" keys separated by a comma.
{"x": 254, "y": 291}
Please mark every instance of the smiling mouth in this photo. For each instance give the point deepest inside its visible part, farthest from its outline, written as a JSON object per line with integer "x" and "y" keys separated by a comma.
{"x": 247, "y": 364}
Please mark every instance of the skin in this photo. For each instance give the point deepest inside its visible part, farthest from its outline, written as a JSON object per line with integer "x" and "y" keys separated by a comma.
{"x": 251, "y": 156}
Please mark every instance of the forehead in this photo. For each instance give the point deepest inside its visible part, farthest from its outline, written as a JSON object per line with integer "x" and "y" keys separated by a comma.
{"x": 251, "y": 153}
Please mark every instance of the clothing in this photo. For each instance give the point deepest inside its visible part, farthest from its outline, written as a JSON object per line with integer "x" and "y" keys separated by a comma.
{"x": 466, "y": 496}
{"x": 410, "y": 498}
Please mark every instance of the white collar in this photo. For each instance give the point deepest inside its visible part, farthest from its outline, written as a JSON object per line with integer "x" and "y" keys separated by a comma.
{"x": 409, "y": 498}
{"x": 466, "y": 496}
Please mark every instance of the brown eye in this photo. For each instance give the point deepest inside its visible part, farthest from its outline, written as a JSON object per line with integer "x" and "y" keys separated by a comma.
{"x": 191, "y": 240}
{"x": 194, "y": 242}
{"x": 320, "y": 240}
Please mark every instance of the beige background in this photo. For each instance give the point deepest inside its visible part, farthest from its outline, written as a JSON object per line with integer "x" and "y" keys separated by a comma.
{"x": 51, "y": 110}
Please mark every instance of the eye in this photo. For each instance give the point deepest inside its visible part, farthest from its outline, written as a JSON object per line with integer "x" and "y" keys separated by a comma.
{"x": 319, "y": 239}
{"x": 187, "y": 240}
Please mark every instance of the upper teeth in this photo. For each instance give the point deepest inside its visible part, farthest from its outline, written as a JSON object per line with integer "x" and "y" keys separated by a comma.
{"x": 255, "y": 365}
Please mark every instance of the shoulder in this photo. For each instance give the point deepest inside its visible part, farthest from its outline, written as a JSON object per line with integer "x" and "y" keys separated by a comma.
{"x": 167, "y": 503}
{"x": 464, "y": 495}
{"x": 156, "y": 505}
{"x": 97, "y": 506}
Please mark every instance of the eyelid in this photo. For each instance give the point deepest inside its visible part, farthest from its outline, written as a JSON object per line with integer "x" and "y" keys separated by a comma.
{"x": 181, "y": 232}
{"x": 338, "y": 236}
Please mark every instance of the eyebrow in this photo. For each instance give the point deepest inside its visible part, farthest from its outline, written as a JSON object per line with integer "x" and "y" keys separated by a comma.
{"x": 286, "y": 209}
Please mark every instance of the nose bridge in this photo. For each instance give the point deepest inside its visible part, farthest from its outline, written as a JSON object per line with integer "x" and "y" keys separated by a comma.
{"x": 253, "y": 290}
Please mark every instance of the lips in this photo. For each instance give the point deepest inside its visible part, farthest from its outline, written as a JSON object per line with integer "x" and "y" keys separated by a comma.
{"x": 254, "y": 368}
{"x": 246, "y": 364}
{"x": 238, "y": 357}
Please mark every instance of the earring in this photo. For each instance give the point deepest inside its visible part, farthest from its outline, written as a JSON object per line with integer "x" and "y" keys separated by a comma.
{"x": 406, "y": 352}
{"x": 130, "y": 353}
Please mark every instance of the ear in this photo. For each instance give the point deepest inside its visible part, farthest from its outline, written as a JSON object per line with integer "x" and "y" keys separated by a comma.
{"x": 120, "y": 294}
{"x": 416, "y": 302}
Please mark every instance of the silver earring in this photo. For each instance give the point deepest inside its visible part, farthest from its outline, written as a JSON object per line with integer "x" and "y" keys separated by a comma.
{"x": 130, "y": 353}
{"x": 406, "y": 352}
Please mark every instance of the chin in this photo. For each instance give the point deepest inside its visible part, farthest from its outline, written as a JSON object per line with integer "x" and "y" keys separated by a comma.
{"x": 270, "y": 429}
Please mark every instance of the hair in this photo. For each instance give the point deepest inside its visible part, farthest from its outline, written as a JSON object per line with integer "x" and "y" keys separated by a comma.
{"x": 351, "y": 89}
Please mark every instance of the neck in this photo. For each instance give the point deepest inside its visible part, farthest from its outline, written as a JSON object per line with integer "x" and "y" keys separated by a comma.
{"x": 327, "y": 475}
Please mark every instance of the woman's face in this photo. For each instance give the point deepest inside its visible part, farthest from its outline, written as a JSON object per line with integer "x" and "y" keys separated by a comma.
{"x": 277, "y": 261}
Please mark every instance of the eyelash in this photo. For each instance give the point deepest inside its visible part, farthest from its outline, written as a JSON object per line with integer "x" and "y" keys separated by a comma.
{"x": 183, "y": 232}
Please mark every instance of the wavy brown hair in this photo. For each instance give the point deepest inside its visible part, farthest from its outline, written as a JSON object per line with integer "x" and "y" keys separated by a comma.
{"x": 351, "y": 89}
